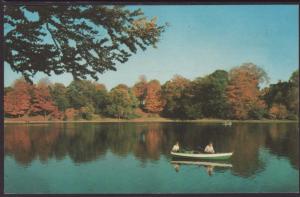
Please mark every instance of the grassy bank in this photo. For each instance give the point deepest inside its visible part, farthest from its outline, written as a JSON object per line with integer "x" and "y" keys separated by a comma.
{"x": 155, "y": 119}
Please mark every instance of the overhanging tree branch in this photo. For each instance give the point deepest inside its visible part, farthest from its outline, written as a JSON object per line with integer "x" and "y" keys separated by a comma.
{"x": 76, "y": 30}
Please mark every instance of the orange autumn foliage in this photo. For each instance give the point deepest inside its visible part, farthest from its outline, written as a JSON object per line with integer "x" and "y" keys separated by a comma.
{"x": 42, "y": 101}
{"x": 154, "y": 140}
{"x": 153, "y": 100}
{"x": 17, "y": 101}
{"x": 243, "y": 91}
{"x": 278, "y": 111}
{"x": 139, "y": 89}
{"x": 99, "y": 86}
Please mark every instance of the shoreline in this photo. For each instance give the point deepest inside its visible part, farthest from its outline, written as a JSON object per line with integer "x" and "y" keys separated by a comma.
{"x": 146, "y": 120}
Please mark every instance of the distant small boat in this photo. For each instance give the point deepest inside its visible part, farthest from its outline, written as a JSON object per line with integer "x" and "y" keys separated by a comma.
{"x": 203, "y": 163}
{"x": 227, "y": 123}
{"x": 195, "y": 155}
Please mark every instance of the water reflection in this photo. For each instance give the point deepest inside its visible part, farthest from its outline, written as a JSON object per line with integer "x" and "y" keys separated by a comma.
{"x": 150, "y": 141}
{"x": 208, "y": 165}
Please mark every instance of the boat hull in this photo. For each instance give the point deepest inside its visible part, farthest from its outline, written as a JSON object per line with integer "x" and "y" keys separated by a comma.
{"x": 207, "y": 156}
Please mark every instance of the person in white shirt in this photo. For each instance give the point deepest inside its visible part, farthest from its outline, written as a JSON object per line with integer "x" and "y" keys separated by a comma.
{"x": 176, "y": 147}
{"x": 209, "y": 148}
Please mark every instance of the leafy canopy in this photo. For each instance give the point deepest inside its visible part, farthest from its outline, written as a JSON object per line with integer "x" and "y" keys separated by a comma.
{"x": 83, "y": 40}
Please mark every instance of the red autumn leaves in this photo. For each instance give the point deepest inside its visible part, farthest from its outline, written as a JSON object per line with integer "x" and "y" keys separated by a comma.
{"x": 242, "y": 91}
{"x": 17, "y": 101}
{"x": 25, "y": 99}
{"x": 149, "y": 95}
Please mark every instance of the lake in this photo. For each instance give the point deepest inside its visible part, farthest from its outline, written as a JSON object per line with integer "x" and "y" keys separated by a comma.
{"x": 135, "y": 158}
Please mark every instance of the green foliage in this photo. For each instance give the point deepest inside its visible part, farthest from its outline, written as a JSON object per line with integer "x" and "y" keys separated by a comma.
{"x": 59, "y": 95}
{"x": 100, "y": 101}
{"x": 286, "y": 94}
{"x": 257, "y": 113}
{"x": 87, "y": 112}
{"x": 133, "y": 116}
{"x": 84, "y": 40}
{"x": 277, "y": 93}
{"x": 292, "y": 116}
{"x": 212, "y": 93}
{"x": 293, "y": 95}
{"x": 205, "y": 97}
{"x": 193, "y": 111}
{"x": 121, "y": 103}
{"x": 294, "y": 79}
{"x": 81, "y": 93}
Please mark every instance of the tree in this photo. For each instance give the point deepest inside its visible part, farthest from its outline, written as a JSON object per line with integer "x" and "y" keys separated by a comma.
{"x": 172, "y": 92}
{"x": 278, "y": 111}
{"x": 71, "y": 113}
{"x": 294, "y": 79}
{"x": 139, "y": 90}
{"x": 122, "y": 103}
{"x": 42, "y": 101}
{"x": 80, "y": 93}
{"x": 7, "y": 90}
{"x": 59, "y": 96}
{"x": 284, "y": 93}
{"x": 293, "y": 94}
{"x": 243, "y": 89}
{"x": 87, "y": 112}
{"x": 17, "y": 101}
{"x": 100, "y": 99}
{"x": 258, "y": 110}
{"x": 277, "y": 93}
{"x": 210, "y": 93}
{"x": 122, "y": 86}
{"x": 82, "y": 40}
{"x": 153, "y": 100}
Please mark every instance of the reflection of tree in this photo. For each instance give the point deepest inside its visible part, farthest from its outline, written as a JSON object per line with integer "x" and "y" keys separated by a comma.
{"x": 283, "y": 141}
{"x": 43, "y": 140}
{"x": 153, "y": 140}
{"x": 84, "y": 144}
{"x": 17, "y": 142}
{"x": 247, "y": 140}
{"x": 148, "y": 141}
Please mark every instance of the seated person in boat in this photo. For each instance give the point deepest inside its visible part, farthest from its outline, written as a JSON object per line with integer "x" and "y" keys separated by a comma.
{"x": 176, "y": 147}
{"x": 209, "y": 148}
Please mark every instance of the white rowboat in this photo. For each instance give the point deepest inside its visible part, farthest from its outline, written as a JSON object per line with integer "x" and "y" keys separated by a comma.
{"x": 215, "y": 156}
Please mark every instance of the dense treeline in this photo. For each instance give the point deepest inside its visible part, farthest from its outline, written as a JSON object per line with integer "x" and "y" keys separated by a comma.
{"x": 236, "y": 94}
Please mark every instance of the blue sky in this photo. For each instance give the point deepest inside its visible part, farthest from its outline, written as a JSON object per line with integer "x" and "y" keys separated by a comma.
{"x": 203, "y": 38}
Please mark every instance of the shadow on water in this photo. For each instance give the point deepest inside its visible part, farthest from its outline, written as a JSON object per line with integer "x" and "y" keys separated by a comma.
{"x": 149, "y": 141}
{"x": 210, "y": 166}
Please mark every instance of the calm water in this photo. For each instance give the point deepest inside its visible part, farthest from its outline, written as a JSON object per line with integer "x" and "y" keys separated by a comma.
{"x": 134, "y": 158}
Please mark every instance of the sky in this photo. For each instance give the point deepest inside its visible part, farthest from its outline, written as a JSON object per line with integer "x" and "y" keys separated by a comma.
{"x": 203, "y": 38}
